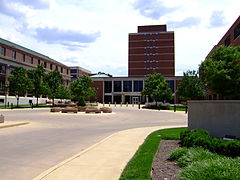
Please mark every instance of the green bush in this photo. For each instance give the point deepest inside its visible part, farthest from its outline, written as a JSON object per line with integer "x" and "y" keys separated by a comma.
{"x": 186, "y": 156}
{"x": 220, "y": 168}
{"x": 202, "y": 138}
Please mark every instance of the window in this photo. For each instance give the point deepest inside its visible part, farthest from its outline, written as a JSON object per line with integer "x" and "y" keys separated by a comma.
{"x": 14, "y": 54}
{"x": 51, "y": 66}
{"x": 171, "y": 84}
{"x": 2, "y": 69}
{"x": 31, "y": 60}
{"x": 127, "y": 86}
{"x": 138, "y": 86}
{"x": 156, "y": 64}
{"x": 45, "y": 64}
{"x": 56, "y": 68}
{"x": 150, "y": 65}
{"x": 144, "y": 65}
{"x": 227, "y": 41}
{"x": 117, "y": 86}
{"x": 108, "y": 86}
{"x": 3, "y": 51}
{"x": 237, "y": 31}
{"x": 61, "y": 70}
{"x": 23, "y": 57}
{"x": 73, "y": 70}
{"x": 67, "y": 71}
{"x": 39, "y": 62}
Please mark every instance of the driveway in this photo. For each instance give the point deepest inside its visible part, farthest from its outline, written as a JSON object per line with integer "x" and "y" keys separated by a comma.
{"x": 50, "y": 138}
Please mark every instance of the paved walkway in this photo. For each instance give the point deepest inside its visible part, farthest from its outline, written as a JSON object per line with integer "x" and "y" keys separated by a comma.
{"x": 102, "y": 161}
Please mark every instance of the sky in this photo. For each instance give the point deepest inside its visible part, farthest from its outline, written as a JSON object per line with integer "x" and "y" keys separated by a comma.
{"x": 93, "y": 34}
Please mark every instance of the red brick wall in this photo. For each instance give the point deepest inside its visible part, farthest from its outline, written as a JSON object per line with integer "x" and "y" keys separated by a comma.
{"x": 98, "y": 86}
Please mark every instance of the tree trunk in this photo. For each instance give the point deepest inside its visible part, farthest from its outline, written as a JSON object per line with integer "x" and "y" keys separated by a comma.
{"x": 17, "y": 100}
{"x": 37, "y": 101}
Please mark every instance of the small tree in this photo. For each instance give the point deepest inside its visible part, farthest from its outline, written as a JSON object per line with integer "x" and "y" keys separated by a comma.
{"x": 81, "y": 90}
{"x": 19, "y": 83}
{"x": 63, "y": 92}
{"x": 220, "y": 72}
{"x": 157, "y": 88}
{"x": 53, "y": 81}
{"x": 191, "y": 86}
{"x": 37, "y": 80}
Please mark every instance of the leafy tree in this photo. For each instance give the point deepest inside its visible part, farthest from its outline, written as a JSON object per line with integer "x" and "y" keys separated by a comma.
{"x": 81, "y": 90}
{"x": 37, "y": 81}
{"x": 19, "y": 83}
{"x": 63, "y": 92}
{"x": 191, "y": 86}
{"x": 220, "y": 72}
{"x": 157, "y": 88}
{"x": 53, "y": 80}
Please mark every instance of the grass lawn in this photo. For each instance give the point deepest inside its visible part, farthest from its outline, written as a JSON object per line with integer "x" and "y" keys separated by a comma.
{"x": 178, "y": 108}
{"x": 139, "y": 167}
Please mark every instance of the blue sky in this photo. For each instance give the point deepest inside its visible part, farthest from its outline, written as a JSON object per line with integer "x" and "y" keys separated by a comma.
{"x": 93, "y": 34}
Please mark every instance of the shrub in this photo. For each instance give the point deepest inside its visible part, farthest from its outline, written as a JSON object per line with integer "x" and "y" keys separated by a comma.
{"x": 220, "y": 168}
{"x": 190, "y": 155}
{"x": 202, "y": 138}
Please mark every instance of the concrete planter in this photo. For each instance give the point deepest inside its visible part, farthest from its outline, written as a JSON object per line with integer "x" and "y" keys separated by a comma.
{"x": 219, "y": 117}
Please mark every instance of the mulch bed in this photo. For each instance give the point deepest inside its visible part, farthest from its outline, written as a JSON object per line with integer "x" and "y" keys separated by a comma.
{"x": 162, "y": 168}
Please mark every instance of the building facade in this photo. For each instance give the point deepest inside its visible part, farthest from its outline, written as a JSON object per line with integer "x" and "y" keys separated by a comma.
{"x": 126, "y": 89}
{"x": 78, "y": 72}
{"x": 231, "y": 37}
{"x": 13, "y": 55}
{"x": 151, "y": 50}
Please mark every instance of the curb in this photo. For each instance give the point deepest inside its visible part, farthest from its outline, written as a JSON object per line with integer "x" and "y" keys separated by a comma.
{"x": 12, "y": 125}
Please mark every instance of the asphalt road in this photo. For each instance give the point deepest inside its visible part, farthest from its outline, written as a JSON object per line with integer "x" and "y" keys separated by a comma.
{"x": 50, "y": 138}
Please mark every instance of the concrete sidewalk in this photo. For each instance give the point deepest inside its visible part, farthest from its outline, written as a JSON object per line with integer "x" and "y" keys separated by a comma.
{"x": 102, "y": 161}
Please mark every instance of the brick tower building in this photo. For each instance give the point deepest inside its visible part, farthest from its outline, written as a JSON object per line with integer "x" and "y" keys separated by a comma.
{"x": 151, "y": 50}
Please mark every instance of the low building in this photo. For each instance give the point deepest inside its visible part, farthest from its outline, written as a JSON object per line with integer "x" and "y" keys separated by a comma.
{"x": 126, "y": 89}
{"x": 13, "y": 55}
{"x": 78, "y": 72}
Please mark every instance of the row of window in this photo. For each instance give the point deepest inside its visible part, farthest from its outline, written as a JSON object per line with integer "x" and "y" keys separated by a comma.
{"x": 23, "y": 59}
{"x": 128, "y": 86}
{"x": 227, "y": 41}
{"x": 150, "y": 64}
{"x": 123, "y": 86}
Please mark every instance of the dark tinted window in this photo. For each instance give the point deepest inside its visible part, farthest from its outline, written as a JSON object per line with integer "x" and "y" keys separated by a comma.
{"x": 73, "y": 70}
{"x": 237, "y": 31}
{"x": 117, "y": 86}
{"x": 108, "y": 86}
{"x": 138, "y": 86}
{"x": 171, "y": 84}
{"x": 127, "y": 86}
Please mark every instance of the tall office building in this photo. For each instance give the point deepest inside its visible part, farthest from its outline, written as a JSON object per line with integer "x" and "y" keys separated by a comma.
{"x": 151, "y": 50}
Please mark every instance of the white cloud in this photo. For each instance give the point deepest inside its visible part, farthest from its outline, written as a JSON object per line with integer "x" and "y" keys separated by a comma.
{"x": 100, "y": 28}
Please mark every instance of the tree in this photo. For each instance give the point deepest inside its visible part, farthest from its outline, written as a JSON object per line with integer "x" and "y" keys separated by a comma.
{"x": 63, "y": 92}
{"x": 157, "y": 88}
{"x": 19, "y": 83}
{"x": 53, "y": 80}
{"x": 191, "y": 86}
{"x": 37, "y": 81}
{"x": 81, "y": 90}
{"x": 221, "y": 72}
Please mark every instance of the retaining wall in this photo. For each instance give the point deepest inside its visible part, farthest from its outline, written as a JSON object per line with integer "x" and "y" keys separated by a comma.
{"x": 219, "y": 117}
